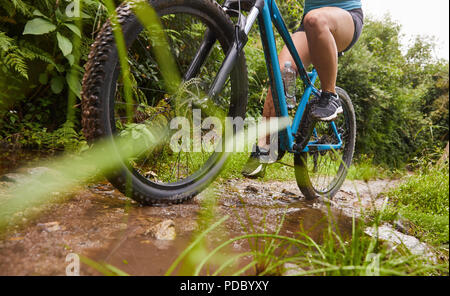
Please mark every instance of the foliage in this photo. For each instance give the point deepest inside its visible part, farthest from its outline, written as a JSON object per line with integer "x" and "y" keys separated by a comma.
{"x": 391, "y": 93}
{"x": 365, "y": 169}
{"x": 37, "y": 65}
{"x": 424, "y": 200}
{"x": 401, "y": 99}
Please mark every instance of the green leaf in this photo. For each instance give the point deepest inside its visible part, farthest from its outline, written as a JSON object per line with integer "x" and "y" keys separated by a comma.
{"x": 74, "y": 84}
{"x": 57, "y": 84}
{"x": 50, "y": 67}
{"x": 43, "y": 78}
{"x": 36, "y": 12}
{"x": 85, "y": 16}
{"x": 64, "y": 44}
{"x": 73, "y": 28}
{"x": 38, "y": 26}
{"x": 71, "y": 59}
{"x": 59, "y": 15}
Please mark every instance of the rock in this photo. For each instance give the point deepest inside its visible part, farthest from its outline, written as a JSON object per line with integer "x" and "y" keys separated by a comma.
{"x": 402, "y": 225}
{"x": 122, "y": 226}
{"x": 291, "y": 269}
{"x": 163, "y": 231}
{"x": 251, "y": 188}
{"x": 237, "y": 246}
{"x": 50, "y": 226}
{"x": 38, "y": 171}
{"x": 387, "y": 233}
{"x": 14, "y": 178}
{"x": 162, "y": 244}
{"x": 289, "y": 193}
{"x": 190, "y": 226}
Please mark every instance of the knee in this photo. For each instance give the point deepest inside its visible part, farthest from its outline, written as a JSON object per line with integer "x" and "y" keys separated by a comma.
{"x": 316, "y": 21}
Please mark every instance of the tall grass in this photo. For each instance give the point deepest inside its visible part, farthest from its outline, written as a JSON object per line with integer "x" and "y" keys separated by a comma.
{"x": 338, "y": 253}
{"x": 356, "y": 254}
{"x": 424, "y": 200}
{"x": 361, "y": 169}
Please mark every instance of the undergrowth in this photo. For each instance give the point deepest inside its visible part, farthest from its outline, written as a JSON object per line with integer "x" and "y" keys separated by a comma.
{"x": 424, "y": 201}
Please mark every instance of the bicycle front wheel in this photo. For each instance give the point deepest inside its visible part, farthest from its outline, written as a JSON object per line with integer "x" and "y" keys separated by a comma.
{"x": 321, "y": 173}
{"x": 162, "y": 175}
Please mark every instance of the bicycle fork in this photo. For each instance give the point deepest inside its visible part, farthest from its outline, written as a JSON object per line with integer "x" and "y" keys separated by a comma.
{"x": 241, "y": 37}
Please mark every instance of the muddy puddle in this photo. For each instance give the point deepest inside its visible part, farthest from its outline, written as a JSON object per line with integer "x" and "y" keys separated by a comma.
{"x": 100, "y": 223}
{"x": 252, "y": 206}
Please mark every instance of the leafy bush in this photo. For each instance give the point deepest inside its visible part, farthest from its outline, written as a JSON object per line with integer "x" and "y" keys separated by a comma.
{"x": 40, "y": 46}
{"x": 389, "y": 90}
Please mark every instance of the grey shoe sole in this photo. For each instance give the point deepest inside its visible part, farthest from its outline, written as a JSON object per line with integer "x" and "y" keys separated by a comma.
{"x": 332, "y": 116}
{"x": 255, "y": 172}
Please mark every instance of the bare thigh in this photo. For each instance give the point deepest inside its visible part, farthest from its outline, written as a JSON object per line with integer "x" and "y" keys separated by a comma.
{"x": 301, "y": 44}
{"x": 337, "y": 20}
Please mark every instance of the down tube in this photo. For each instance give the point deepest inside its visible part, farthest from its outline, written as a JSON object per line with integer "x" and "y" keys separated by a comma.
{"x": 284, "y": 32}
{"x": 278, "y": 82}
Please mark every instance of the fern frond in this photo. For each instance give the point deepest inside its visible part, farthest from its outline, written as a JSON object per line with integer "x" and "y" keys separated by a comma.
{"x": 11, "y": 56}
{"x": 8, "y": 7}
{"x": 6, "y": 42}
{"x": 13, "y": 6}
{"x": 14, "y": 55}
{"x": 32, "y": 52}
{"x": 15, "y": 61}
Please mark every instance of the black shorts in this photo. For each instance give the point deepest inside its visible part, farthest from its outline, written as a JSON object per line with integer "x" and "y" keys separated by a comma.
{"x": 358, "y": 20}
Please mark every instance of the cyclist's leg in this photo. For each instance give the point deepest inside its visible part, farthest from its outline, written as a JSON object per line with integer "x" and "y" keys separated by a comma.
{"x": 254, "y": 167}
{"x": 329, "y": 30}
{"x": 301, "y": 44}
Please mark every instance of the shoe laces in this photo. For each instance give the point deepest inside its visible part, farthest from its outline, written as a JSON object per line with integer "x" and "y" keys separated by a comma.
{"x": 325, "y": 98}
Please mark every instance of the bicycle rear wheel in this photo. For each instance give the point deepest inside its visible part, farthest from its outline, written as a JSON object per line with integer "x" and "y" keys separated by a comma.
{"x": 321, "y": 173}
{"x": 161, "y": 175}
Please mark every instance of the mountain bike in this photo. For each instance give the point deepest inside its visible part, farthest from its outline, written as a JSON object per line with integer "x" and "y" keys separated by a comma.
{"x": 206, "y": 41}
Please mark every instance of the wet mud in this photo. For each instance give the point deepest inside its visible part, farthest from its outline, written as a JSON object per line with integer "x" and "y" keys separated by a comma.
{"x": 100, "y": 223}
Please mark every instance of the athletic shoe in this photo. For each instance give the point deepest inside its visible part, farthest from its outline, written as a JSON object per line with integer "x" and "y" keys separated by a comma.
{"x": 254, "y": 167}
{"x": 328, "y": 107}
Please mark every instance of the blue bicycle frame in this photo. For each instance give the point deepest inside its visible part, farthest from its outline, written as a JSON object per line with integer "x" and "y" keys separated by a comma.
{"x": 267, "y": 13}
{"x": 271, "y": 14}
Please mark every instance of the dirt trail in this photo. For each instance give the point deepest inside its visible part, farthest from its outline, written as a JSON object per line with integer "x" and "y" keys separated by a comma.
{"x": 99, "y": 222}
